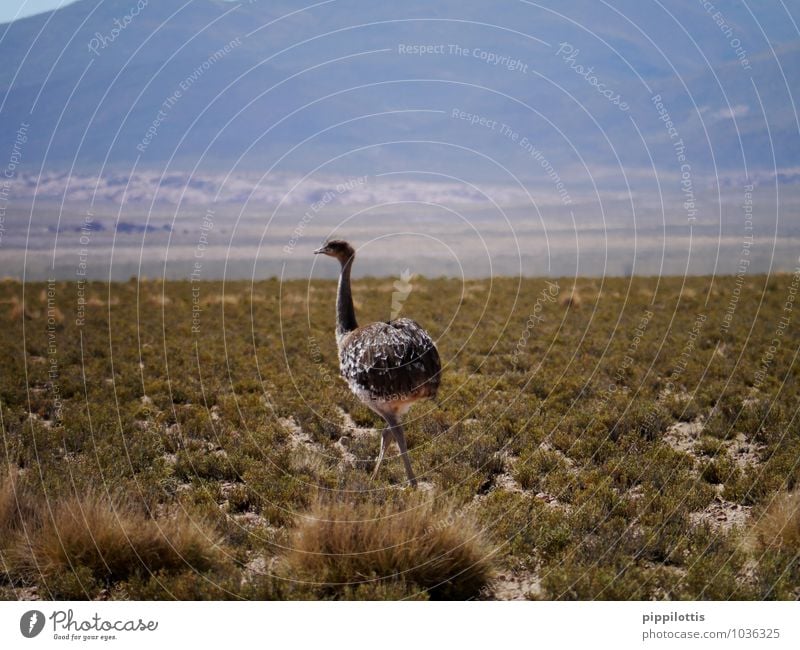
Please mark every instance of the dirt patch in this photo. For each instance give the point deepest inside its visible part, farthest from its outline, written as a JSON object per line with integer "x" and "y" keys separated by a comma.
{"x": 551, "y": 500}
{"x": 743, "y": 452}
{"x": 342, "y": 446}
{"x": 297, "y": 437}
{"x": 682, "y": 436}
{"x": 515, "y": 585}
{"x": 251, "y": 520}
{"x": 260, "y": 565}
{"x": 505, "y": 480}
{"x": 352, "y": 428}
{"x": 722, "y": 515}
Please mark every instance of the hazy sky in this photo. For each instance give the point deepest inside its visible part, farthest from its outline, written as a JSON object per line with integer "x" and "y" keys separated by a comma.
{"x": 11, "y": 9}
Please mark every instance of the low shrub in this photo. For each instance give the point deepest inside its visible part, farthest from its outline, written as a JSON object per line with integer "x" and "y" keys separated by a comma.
{"x": 425, "y": 544}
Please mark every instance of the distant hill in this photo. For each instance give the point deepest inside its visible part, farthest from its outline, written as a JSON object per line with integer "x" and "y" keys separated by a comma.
{"x": 251, "y": 84}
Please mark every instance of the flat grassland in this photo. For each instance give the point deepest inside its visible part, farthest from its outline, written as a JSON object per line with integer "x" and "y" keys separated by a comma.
{"x": 593, "y": 439}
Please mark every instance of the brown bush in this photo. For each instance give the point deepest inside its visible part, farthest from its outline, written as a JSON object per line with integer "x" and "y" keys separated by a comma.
{"x": 16, "y": 506}
{"x": 112, "y": 538}
{"x": 571, "y": 299}
{"x": 425, "y": 544}
{"x": 779, "y": 526}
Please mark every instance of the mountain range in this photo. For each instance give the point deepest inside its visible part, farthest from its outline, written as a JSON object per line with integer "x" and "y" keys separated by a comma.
{"x": 514, "y": 92}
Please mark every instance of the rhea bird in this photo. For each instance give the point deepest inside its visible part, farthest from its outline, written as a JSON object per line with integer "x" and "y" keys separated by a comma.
{"x": 388, "y": 365}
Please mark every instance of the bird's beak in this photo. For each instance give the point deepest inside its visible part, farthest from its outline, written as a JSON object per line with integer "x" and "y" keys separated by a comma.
{"x": 320, "y": 250}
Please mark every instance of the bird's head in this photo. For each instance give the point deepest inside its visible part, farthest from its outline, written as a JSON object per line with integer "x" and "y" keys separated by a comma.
{"x": 337, "y": 248}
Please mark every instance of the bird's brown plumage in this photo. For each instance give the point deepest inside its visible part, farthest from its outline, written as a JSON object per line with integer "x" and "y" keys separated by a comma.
{"x": 389, "y": 366}
{"x": 394, "y": 361}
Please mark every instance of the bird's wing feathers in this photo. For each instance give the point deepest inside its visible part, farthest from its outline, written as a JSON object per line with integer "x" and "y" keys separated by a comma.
{"x": 391, "y": 360}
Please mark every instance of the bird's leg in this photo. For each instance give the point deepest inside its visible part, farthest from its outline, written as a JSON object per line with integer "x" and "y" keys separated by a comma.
{"x": 386, "y": 436}
{"x": 400, "y": 437}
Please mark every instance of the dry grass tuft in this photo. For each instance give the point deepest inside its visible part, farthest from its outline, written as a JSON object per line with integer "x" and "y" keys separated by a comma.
{"x": 779, "y": 526}
{"x": 16, "y": 507}
{"x": 8, "y": 506}
{"x": 571, "y": 299}
{"x": 159, "y": 299}
{"x": 9, "y": 517}
{"x": 227, "y": 299}
{"x": 424, "y": 544}
{"x": 110, "y": 537}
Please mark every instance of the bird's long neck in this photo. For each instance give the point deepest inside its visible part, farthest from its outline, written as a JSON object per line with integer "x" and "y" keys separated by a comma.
{"x": 345, "y": 312}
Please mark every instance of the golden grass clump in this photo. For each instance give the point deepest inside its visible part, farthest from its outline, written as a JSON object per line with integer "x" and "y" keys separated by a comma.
{"x": 571, "y": 299}
{"x": 15, "y": 507}
{"x": 112, "y": 538}
{"x": 8, "y": 507}
{"x": 779, "y": 526}
{"x": 159, "y": 299}
{"x": 227, "y": 299}
{"x": 425, "y": 544}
